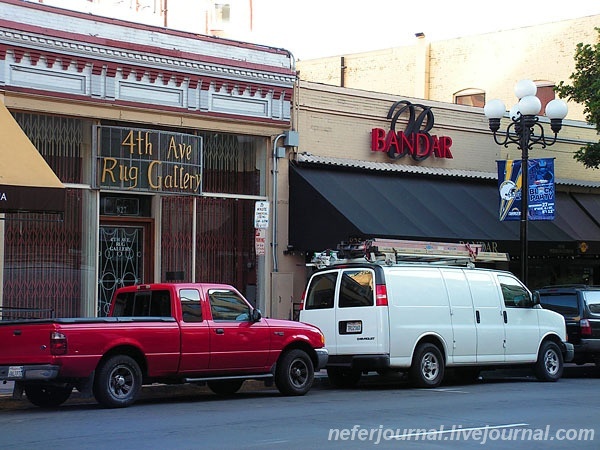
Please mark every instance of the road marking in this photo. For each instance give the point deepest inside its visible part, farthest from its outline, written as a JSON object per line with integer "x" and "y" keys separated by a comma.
{"x": 458, "y": 430}
{"x": 458, "y": 391}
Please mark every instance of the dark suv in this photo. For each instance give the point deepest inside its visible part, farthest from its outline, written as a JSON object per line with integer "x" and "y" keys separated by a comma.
{"x": 580, "y": 306}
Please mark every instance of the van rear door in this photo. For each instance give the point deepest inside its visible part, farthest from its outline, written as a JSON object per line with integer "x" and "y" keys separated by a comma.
{"x": 361, "y": 325}
{"x": 318, "y": 309}
{"x": 342, "y": 303}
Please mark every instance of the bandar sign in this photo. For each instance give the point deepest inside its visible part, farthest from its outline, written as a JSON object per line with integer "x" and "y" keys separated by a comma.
{"x": 148, "y": 160}
{"x": 415, "y": 140}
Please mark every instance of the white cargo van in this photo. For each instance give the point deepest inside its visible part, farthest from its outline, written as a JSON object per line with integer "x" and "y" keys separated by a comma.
{"x": 422, "y": 318}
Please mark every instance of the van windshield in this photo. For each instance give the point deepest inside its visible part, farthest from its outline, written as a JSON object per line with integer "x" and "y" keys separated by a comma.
{"x": 592, "y": 298}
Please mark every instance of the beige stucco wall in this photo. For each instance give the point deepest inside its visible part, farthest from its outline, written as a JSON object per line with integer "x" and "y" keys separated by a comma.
{"x": 491, "y": 62}
{"x": 336, "y": 122}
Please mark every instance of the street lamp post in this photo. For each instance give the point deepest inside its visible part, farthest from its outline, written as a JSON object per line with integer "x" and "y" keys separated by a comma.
{"x": 525, "y": 131}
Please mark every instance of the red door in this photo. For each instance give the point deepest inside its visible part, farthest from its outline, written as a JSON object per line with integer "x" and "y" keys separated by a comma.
{"x": 235, "y": 341}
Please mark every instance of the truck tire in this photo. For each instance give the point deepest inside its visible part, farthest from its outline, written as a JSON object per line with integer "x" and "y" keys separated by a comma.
{"x": 117, "y": 382}
{"x": 427, "y": 368}
{"x": 225, "y": 387}
{"x": 343, "y": 378}
{"x": 294, "y": 374}
{"x": 549, "y": 365}
{"x": 47, "y": 396}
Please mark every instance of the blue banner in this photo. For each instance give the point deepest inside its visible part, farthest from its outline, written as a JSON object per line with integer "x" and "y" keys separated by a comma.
{"x": 540, "y": 190}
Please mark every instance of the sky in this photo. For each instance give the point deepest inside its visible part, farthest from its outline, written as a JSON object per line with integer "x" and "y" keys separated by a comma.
{"x": 320, "y": 28}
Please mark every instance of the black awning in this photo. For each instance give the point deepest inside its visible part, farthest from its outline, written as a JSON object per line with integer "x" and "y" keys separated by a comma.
{"x": 27, "y": 183}
{"x": 328, "y": 206}
{"x": 591, "y": 203}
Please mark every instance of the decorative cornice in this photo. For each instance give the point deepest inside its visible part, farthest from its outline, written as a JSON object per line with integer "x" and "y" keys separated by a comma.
{"x": 98, "y": 67}
{"x": 59, "y": 48}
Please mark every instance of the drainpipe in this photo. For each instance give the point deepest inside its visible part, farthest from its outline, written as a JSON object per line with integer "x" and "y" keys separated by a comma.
{"x": 342, "y": 71}
{"x": 274, "y": 215}
{"x": 291, "y": 140}
{"x": 422, "y": 67}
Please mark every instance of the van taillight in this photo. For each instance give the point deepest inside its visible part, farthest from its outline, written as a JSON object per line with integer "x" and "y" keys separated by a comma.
{"x": 585, "y": 327}
{"x": 381, "y": 298}
{"x": 302, "y": 300}
{"x": 58, "y": 343}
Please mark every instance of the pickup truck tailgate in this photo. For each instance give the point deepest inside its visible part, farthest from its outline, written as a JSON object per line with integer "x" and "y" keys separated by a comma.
{"x": 25, "y": 343}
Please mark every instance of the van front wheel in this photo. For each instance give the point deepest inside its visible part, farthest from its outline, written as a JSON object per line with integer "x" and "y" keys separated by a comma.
{"x": 427, "y": 369}
{"x": 549, "y": 365}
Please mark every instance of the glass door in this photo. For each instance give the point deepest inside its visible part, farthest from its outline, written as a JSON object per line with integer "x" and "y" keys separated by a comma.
{"x": 123, "y": 260}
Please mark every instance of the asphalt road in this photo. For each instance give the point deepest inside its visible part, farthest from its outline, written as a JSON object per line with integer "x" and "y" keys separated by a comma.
{"x": 503, "y": 410}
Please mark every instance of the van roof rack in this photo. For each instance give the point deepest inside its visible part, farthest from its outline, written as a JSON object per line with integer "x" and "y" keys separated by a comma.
{"x": 395, "y": 251}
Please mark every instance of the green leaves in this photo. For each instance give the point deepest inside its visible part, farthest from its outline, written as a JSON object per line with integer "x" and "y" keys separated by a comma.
{"x": 585, "y": 89}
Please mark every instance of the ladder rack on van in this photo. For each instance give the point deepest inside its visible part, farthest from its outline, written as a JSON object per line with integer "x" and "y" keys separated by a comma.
{"x": 393, "y": 251}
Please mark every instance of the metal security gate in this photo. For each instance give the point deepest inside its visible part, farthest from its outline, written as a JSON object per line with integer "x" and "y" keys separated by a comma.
{"x": 121, "y": 260}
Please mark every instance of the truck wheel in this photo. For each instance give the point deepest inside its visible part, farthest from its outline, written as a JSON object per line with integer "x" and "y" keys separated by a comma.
{"x": 295, "y": 373}
{"x": 549, "y": 365}
{"x": 47, "y": 396}
{"x": 427, "y": 368}
{"x": 343, "y": 378}
{"x": 117, "y": 382}
{"x": 225, "y": 387}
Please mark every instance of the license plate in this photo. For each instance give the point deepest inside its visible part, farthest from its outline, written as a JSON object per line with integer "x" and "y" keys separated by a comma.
{"x": 354, "y": 327}
{"x": 15, "y": 372}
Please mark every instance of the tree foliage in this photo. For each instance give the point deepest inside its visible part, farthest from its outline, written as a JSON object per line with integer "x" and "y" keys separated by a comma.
{"x": 585, "y": 89}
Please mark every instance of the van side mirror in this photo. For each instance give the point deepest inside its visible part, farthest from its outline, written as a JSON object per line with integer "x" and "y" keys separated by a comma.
{"x": 536, "y": 298}
{"x": 256, "y": 315}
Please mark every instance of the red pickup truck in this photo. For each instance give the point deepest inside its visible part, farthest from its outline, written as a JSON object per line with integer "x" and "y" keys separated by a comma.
{"x": 159, "y": 333}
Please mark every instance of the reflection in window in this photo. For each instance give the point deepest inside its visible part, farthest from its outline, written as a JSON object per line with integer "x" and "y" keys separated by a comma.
{"x": 515, "y": 295}
{"x": 545, "y": 92}
{"x": 227, "y": 305}
{"x": 470, "y": 97}
{"x": 356, "y": 289}
{"x": 191, "y": 308}
{"x": 143, "y": 304}
{"x": 562, "y": 304}
{"x": 322, "y": 291}
{"x": 592, "y": 299}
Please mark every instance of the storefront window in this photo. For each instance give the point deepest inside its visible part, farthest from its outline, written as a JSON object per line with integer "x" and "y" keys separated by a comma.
{"x": 60, "y": 140}
{"x": 48, "y": 262}
{"x": 232, "y": 164}
{"x": 177, "y": 238}
{"x": 225, "y": 243}
{"x": 44, "y": 263}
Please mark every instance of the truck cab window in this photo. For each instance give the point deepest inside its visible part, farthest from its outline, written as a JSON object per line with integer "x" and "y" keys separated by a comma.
{"x": 228, "y": 306}
{"x": 191, "y": 308}
{"x": 143, "y": 304}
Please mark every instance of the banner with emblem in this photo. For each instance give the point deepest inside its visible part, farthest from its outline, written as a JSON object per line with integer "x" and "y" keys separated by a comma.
{"x": 541, "y": 194}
